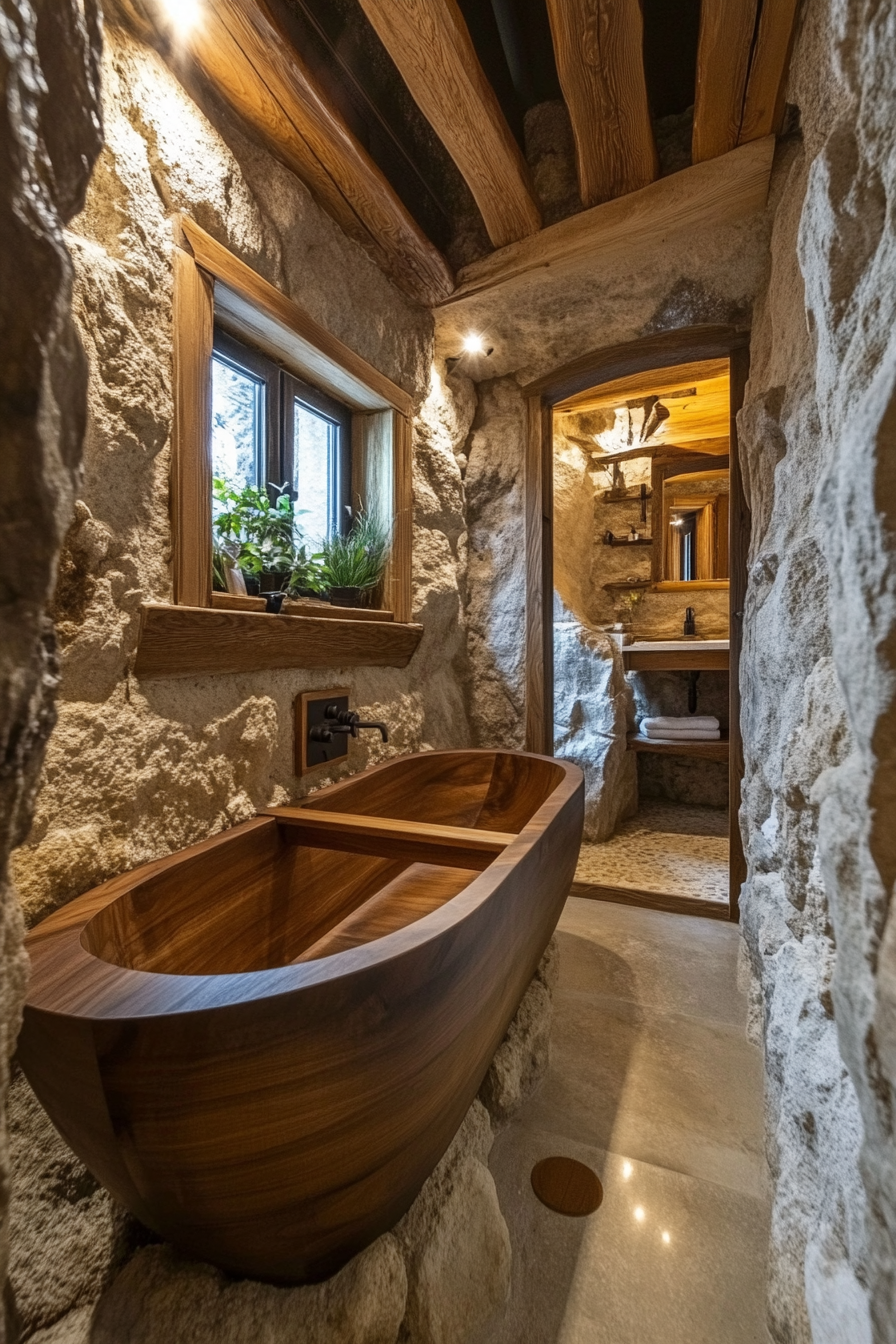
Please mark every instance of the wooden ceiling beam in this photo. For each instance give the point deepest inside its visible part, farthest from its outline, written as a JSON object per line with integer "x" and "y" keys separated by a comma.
{"x": 727, "y": 28}
{"x": 728, "y": 188}
{"x": 599, "y": 50}
{"x": 431, "y": 45}
{"x": 242, "y": 51}
{"x": 764, "y": 104}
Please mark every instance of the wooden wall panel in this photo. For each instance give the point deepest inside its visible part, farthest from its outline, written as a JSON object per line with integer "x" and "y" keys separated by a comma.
{"x": 191, "y": 470}
{"x": 599, "y": 49}
{"x": 538, "y": 489}
{"x": 401, "y": 567}
{"x": 739, "y": 539}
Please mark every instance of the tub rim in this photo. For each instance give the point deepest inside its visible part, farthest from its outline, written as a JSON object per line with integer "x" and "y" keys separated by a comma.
{"x": 67, "y": 980}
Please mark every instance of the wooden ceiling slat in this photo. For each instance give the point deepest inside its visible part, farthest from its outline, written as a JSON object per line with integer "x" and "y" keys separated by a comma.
{"x": 656, "y": 382}
{"x": 764, "y": 105}
{"x": 242, "y": 51}
{"x": 599, "y": 50}
{"x": 727, "y": 28}
{"x": 431, "y": 45}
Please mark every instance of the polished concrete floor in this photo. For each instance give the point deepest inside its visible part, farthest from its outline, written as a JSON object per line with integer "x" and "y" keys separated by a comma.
{"x": 669, "y": 848}
{"x": 654, "y": 1085}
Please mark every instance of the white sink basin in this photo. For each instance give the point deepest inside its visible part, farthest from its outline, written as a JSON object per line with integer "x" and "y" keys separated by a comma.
{"x": 677, "y": 645}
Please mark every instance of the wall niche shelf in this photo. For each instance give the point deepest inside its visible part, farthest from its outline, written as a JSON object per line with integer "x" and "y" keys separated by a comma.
{"x": 179, "y": 641}
{"x": 610, "y": 540}
{"x": 707, "y": 751}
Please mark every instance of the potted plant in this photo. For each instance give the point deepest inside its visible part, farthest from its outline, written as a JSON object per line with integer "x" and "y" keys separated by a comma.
{"x": 354, "y": 563}
{"x": 258, "y": 536}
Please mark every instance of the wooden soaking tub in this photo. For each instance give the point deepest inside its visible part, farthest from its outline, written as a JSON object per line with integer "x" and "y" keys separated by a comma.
{"x": 262, "y": 1045}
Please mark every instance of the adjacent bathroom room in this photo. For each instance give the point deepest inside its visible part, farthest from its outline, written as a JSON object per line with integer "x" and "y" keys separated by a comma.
{"x": 447, "y": 715}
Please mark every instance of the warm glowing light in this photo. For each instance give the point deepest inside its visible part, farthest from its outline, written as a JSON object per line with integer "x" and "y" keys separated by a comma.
{"x": 639, "y": 1214}
{"x": 182, "y": 14}
{"x": 626, "y": 1170}
{"x": 474, "y": 344}
{"x": 666, "y": 1238}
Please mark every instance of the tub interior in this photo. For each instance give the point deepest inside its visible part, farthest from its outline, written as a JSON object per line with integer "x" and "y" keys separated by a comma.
{"x": 259, "y": 900}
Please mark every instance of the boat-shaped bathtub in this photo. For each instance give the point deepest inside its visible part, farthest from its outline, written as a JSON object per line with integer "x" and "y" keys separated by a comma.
{"x": 263, "y": 1044}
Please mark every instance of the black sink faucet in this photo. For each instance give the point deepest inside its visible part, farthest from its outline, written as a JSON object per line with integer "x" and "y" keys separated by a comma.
{"x": 345, "y": 721}
{"x": 690, "y": 622}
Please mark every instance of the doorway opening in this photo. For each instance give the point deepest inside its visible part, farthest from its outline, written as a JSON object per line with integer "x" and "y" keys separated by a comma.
{"x": 644, "y": 533}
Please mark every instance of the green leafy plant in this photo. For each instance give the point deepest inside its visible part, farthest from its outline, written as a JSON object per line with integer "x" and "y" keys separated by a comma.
{"x": 258, "y": 535}
{"x": 358, "y": 558}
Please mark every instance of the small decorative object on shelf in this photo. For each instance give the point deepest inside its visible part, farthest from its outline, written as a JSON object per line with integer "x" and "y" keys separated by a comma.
{"x": 611, "y": 540}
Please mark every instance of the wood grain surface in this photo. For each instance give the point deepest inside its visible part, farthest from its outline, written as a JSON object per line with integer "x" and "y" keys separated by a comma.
{"x": 262, "y": 1049}
{"x": 312, "y": 350}
{"x": 727, "y": 29}
{"x": 191, "y": 641}
{"x": 764, "y": 104}
{"x": 707, "y": 751}
{"x": 191, "y": 466}
{"x": 651, "y": 900}
{"x": 599, "y": 49}
{"x": 671, "y": 660}
{"x": 429, "y": 42}
{"x": 728, "y": 188}
{"x": 414, "y": 841}
{"x": 242, "y": 49}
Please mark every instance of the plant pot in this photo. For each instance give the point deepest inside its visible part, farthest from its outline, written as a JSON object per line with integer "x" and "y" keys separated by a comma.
{"x": 272, "y": 581}
{"x": 253, "y": 585}
{"x": 346, "y": 597}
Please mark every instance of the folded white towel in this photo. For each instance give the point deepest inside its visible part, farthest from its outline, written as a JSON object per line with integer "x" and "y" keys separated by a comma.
{"x": 695, "y": 735}
{"x": 703, "y": 722}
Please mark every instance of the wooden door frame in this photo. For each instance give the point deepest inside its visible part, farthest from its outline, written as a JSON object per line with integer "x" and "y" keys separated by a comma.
{"x": 684, "y": 346}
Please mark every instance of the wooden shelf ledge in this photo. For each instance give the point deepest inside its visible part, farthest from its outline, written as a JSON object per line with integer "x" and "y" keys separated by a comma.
{"x": 178, "y": 641}
{"x": 707, "y": 751}
{"x": 693, "y": 659}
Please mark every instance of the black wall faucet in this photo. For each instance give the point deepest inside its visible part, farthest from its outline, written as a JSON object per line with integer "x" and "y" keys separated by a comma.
{"x": 344, "y": 721}
{"x": 690, "y": 622}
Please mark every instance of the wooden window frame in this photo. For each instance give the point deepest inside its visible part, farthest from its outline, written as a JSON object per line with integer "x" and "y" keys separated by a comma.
{"x": 211, "y": 284}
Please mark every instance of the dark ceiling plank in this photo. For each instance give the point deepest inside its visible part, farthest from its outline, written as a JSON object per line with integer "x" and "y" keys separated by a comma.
{"x": 242, "y": 51}
{"x": 599, "y": 50}
{"x": 429, "y": 42}
{"x": 727, "y": 28}
{"x": 764, "y": 105}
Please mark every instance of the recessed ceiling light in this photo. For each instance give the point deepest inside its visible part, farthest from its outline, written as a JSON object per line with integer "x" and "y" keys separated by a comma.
{"x": 639, "y": 1214}
{"x": 473, "y": 344}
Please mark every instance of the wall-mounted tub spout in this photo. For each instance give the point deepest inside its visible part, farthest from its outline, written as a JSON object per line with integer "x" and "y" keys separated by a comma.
{"x": 344, "y": 721}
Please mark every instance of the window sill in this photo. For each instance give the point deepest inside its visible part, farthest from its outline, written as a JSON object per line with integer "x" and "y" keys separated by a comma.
{"x": 302, "y": 606}
{"x": 178, "y": 641}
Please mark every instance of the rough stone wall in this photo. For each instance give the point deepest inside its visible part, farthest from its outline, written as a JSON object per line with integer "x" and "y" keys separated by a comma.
{"x": 704, "y": 276}
{"x": 819, "y": 430}
{"x": 138, "y": 769}
{"x": 49, "y": 136}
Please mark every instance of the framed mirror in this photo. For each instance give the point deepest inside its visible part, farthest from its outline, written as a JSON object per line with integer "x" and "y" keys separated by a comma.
{"x": 691, "y": 523}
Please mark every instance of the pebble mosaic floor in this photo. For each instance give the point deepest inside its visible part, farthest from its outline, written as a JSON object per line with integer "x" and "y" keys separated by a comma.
{"x": 667, "y": 848}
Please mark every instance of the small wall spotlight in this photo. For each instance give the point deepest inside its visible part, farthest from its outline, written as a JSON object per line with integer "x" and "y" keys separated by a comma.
{"x": 473, "y": 344}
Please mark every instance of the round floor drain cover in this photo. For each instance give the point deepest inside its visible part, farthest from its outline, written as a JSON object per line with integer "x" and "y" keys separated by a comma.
{"x": 567, "y": 1186}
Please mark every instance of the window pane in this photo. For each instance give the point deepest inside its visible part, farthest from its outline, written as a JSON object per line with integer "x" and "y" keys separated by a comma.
{"x": 315, "y": 485}
{"x": 237, "y": 423}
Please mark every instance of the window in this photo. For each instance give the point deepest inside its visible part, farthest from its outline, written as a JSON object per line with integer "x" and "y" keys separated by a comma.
{"x": 270, "y": 429}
